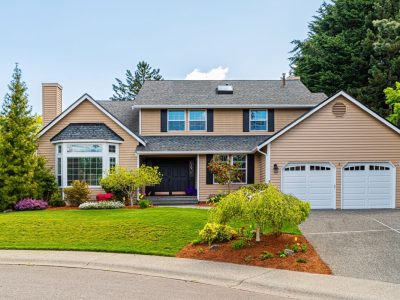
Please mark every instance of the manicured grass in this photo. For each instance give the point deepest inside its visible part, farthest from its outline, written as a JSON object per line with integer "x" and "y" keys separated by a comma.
{"x": 157, "y": 231}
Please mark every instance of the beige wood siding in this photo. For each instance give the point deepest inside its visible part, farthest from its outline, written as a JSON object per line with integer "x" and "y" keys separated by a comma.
{"x": 226, "y": 122}
{"x": 323, "y": 137}
{"x": 51, "y": 102}
{"x": 86, "y": 112}
{"x": 210, "y": 189}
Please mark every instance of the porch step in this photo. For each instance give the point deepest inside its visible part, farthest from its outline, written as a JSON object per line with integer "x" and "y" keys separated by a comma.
{"x": 173, "y": 200}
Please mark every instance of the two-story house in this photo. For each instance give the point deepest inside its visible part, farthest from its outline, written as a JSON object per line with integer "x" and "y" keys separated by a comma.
{"x": 333, "y": 152}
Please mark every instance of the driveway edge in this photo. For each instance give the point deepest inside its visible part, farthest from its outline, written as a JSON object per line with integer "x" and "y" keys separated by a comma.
{"x": 255, "y": 279}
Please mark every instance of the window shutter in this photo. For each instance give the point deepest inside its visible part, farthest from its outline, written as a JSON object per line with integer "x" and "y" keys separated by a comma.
{"x": 210, "y": 120}
{"x": 245, "y": 120}
{"x": 209, "y": 175}
{"x": 164, "y": 120}
{"x": 271, "y": 120}
{"x": 250, "y": 168}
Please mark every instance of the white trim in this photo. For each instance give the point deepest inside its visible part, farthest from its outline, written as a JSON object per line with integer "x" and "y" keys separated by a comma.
{"x": 268, "y": 164}
{"x": 198, "y": 178}
{"x": 323, "y": 104}
{"x": 314, "y": 162}
{"x": 87, "y": 141}
{"x": 140, "y": 121}
{"x": 91, "y": 100}
{"x": 184, "y": 106}
{"x": 205, "y": 120}
{"x": 394, "y": 173}
{"x": 266, "y": 120}
{"x": 193, "y": 152}
{"x": 184, "y": 120}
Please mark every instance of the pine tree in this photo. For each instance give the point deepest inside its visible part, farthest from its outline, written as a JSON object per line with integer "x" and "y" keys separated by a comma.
{"x": 18, "y": 144}
{"x": 129, "y": 90}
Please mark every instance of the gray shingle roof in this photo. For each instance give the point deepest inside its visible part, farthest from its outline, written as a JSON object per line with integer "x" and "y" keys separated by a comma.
{"x": 245, "y": 92}
{"x": 86, "y": 131}
{"x": 122, "y": 110}
{"x": 211, "y": 144}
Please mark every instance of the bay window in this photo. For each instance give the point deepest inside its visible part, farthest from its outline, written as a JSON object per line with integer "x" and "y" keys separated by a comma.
{"x": 84, "y": 161}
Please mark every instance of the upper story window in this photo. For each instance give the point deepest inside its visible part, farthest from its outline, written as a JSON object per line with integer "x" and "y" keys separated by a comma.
{"x": 176, "y": 120}
{"x": 258, "y": 120}
{"x": 197, "y": 120}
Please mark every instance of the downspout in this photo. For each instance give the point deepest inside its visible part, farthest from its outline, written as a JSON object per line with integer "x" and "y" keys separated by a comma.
{"x": 267, "y": 156}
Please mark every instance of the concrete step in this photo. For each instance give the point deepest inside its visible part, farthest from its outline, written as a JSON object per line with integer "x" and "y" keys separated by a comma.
{"x": 173, "y": 200}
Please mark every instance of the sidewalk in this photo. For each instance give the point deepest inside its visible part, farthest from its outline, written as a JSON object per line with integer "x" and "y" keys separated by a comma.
{"x": 269, "y": 281}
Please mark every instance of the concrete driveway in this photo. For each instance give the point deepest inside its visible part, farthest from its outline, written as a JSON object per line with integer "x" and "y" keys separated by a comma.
{"x": 362, "y": 244}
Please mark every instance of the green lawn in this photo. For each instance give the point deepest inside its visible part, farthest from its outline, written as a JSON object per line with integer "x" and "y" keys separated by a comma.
{"x": 158, "y": 231}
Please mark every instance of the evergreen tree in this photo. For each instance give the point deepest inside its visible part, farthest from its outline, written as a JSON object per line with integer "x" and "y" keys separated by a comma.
{"x": 347, "y": 50}
{"x": 18, "y": 144}
{"x": 129, "y": 90}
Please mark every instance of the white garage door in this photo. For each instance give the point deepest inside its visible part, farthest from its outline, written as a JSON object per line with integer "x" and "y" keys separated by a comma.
{"x": 313, "y": 182}
{"x": 368, "y": 185}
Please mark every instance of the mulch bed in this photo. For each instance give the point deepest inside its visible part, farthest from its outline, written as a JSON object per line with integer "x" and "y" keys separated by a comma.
{"x": 250, "y": 255}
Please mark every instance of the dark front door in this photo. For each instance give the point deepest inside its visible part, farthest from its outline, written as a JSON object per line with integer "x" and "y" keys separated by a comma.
{"x": 176, "y": 174}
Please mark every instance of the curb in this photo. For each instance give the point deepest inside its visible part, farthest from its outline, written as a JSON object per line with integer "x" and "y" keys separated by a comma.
{"x": 248, "y": 278}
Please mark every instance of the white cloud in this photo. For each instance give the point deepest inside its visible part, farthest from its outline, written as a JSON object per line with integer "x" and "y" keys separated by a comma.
{"x": 218, "y": 73}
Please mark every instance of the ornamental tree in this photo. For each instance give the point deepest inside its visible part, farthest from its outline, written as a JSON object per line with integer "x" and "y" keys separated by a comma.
{"x": 224, "y": 172}
{"x": 125, "y": 183}
{"x": 261, "y": 208}
{"x": 393, "y": 100}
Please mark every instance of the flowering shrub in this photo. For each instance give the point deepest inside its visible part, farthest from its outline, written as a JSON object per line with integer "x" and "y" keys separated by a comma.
{"x": 213, "y": 232}
{"x": 30, "y": 204}
{"x": 104, "y": 197}
{"x": 102, "y": 205}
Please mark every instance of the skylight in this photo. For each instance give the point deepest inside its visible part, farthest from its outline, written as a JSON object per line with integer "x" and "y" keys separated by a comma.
{"x": 225, "y": 89}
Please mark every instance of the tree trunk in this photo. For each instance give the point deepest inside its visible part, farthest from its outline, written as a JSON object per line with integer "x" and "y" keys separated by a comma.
{"x": 258, "y": 233}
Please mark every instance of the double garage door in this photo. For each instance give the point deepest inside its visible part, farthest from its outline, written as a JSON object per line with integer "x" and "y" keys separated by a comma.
{"x": 364, "y": 185}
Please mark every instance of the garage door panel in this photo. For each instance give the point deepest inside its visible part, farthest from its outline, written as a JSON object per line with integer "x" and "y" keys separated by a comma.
{"x": 371, "y": 186}
{"x": 315, "y": 183}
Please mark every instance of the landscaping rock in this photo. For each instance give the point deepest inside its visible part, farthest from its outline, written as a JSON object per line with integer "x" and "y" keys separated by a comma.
{"x": 288, "y": 252}
{"x": 214, "y": 247}
{"x": 8, "y": 211}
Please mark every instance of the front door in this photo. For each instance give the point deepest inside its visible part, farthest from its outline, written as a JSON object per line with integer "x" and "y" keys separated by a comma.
{"x": 176, "y": 174}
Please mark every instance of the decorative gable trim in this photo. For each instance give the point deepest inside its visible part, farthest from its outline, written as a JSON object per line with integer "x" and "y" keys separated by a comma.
{"x": 102, "y": 109}
{"x": 323, "y": 104}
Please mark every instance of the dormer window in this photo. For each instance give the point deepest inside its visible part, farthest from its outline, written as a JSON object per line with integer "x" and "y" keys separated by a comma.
{"x": 176, "y": 120}
{"x": 258, "y": 120}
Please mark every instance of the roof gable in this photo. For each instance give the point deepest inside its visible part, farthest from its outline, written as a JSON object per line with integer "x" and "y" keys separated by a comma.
{"x": 319, "y": 107}
{"x": 86, "y": 131}
{"x": 87, "y": 97}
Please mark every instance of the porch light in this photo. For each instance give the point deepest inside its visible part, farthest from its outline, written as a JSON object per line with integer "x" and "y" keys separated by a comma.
{"x": 276, "y": 169}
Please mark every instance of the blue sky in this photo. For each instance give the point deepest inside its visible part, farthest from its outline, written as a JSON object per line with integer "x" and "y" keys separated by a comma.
{"x": 84, "y": 45}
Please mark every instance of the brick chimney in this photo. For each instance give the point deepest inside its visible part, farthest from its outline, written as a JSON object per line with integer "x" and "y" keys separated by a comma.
{"x": 51, "y": 101}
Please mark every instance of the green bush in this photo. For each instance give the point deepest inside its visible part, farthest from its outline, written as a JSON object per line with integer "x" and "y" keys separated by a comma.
{"x": 239, "y": 244}
{"x": 256, "y": 187}
{"x": 56, "y": 199}
{"x": 304, "y": 248}
{"x": 266, "y": 255}
{"x": 77, "y": 194}
{"x": 213, "y": 199}
{"x": 46, "y": 184}
{"x": 144, "y": 203}
{"x": 213, "y": 232}
{"x": 267, "y": 207}
{"x": 301, "y": 260}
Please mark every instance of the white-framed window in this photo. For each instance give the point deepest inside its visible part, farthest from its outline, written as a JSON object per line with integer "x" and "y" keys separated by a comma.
{"x": 176, "y": 120}
{"x": 258, "y": 120}
{"x": 84, "y": 161}
{"x": 239, "y": 159}
{"x": 197, "y": 120}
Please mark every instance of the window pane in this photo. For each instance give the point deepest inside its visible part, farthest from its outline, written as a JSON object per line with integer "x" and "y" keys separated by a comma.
{"x": 197, "y": 115}
{"x": 197, "y": 125}
{"x": 112, "y": 148}
{"x": 221, "y": 157}
{"x": 84, "y": 148}
{"x": 258, "y": 125}
{"x": 59, "y": 149}
{"x": 112, "y": 162}
{"x": 176, "y": 115}
{"x": 176, "y": 125}
{"x": 258, "y": 115}
{"x": 87, "y": 169}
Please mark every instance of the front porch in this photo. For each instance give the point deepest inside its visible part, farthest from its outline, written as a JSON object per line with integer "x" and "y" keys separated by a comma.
{"x": 179, "y": 184}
